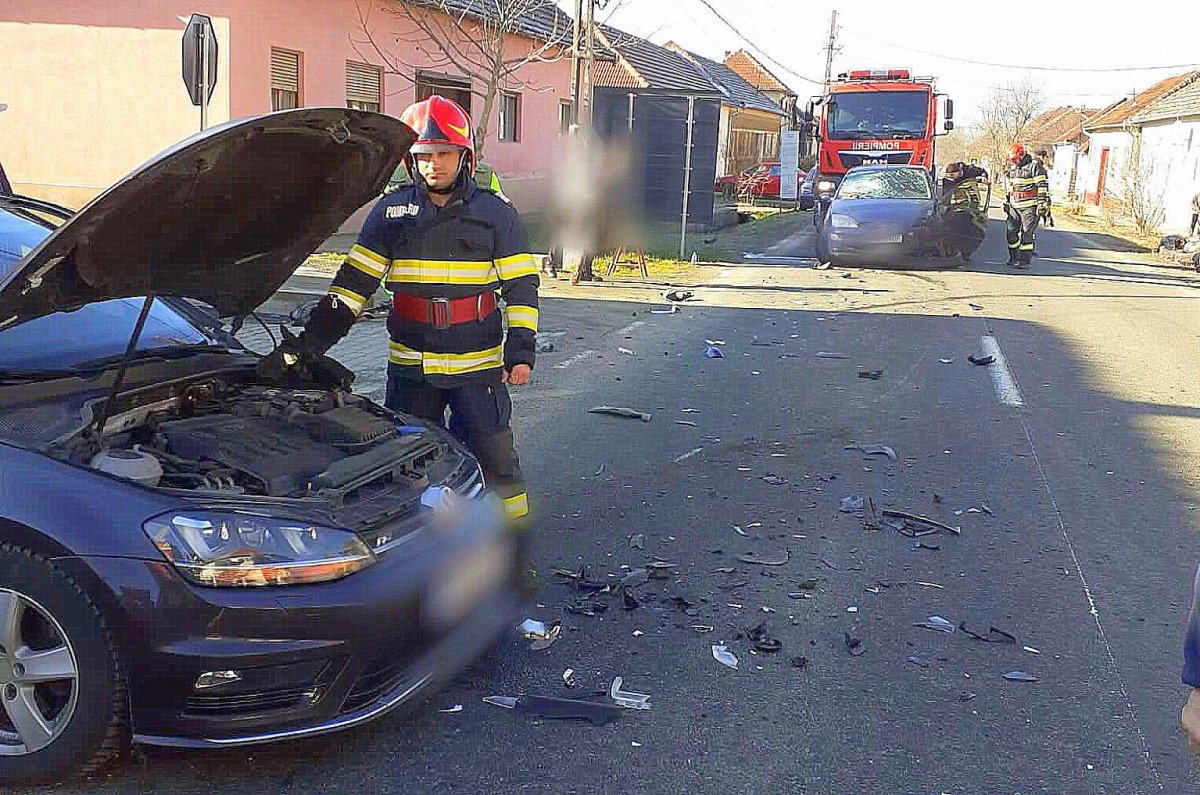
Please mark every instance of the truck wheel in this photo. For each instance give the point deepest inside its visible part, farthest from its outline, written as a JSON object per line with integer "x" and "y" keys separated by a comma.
{"x": 63, "y": 705}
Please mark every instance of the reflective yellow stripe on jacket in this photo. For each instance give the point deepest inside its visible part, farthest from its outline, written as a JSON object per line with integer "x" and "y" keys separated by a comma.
{"x": 424, "y": 271}
{"x": 446, "y": 363}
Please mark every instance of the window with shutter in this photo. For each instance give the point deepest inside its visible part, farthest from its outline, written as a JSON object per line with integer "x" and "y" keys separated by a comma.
{"x": 364, "y": 86}
{"x": 510, "y": 117}
{"x": 285, "y": 79}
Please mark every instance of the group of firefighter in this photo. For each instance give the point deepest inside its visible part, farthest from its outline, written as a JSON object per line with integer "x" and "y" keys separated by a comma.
{"x": 1026, "y": 205}
{"x": 451, "y": 249}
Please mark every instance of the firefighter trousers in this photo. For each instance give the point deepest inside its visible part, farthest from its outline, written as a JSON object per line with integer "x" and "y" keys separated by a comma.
{"x": 479, "y": 416}
{"x": 1021, "y": 229}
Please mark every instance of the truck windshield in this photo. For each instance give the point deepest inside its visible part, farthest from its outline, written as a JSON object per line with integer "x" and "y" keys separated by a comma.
{"x": 878, "y": 114}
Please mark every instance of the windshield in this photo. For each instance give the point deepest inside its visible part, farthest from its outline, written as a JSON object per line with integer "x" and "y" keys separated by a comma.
{"x": 65, "y": 339}
{"x": 907, "y": 183}
{"x": 878, "y": 114}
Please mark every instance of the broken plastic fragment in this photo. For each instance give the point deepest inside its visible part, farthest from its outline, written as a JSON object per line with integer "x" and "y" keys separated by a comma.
{"x": 737, "y": 529}
{"x": 936, "y": 623}
{"x": 915, "y": 660}
{"x": 851, "y": 504}
{"x": 873, "y": 449}
{"x": 714, "y": 352}
{"x": 1031, "y": 650}
{"x": 774, "y": 480}
{"x": 715, "y": 342}
{"x": 946, "y": 361}
{"x": 508, "y": 702}
{"x": 702, "y": 629}
{"x": 722, "y": 655}
{"x": 621, "y": 411}
{"x": 543, "y": 635}
{"x": 1020, "y": 676}
{"x": 831, "y": 355}
{"x": 635, "y": 578}
{"x": 854, "y": 646}
{"x": 678, "y": 295}
{"x": 625, "y": 351}
{"x": 925, "y": 520}
{"x": 628, "y": 699}
{"x": 637, "y": 541}
{"x": 777, "y": 558}
{"x": 670, "y": 310}
{"x": 451, "y": 710}
{"x": 569, "y": 678}
{"x": 874, "y": 375}
{"x": 799, "y": 662}
{"x": 982, "y": 361}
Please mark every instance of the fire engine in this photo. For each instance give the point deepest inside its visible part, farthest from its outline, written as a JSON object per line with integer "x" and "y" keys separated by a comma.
{"x": 876, "y": 116}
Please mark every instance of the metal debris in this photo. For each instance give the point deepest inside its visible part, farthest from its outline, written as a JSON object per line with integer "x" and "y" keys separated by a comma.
{"x": 626, "y": 698}
{"x": 621, "y": 411}
{"x": 874, "y": 449}
{"x": 722, "y": 655}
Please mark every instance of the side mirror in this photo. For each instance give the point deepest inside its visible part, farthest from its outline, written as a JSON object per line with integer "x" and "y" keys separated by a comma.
{"x": 949, "y": 125}
{"x": 949, "y": 112}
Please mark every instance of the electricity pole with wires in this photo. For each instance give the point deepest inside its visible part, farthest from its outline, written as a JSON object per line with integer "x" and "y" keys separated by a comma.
{"x": 829, "y": 48}
{"x": 583, "y": 54}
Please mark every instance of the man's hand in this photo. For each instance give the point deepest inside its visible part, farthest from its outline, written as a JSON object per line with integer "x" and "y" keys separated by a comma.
{"x": 1191, "y": 719}
{"x": 517, "y": 376}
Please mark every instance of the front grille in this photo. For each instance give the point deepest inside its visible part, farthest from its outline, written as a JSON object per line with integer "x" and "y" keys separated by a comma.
{"x": 282, "y": 687}
{"x": 381, "y": 676}
{"x": 872, "y": 157}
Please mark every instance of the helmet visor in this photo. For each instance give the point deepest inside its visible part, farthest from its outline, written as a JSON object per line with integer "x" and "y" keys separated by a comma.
{"x": 425, "y": 148}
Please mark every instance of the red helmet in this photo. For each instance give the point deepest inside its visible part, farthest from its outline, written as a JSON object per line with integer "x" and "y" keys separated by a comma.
{"x": 440, "y": 122}
{"x": 1016, "y": 153}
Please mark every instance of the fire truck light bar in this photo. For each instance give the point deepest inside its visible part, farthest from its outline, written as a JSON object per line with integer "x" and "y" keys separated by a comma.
{"x": 879, "y": 74}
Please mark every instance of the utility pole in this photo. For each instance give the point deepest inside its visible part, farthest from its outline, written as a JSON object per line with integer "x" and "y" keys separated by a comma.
{"x": 575, "y": 39}
{"x": 589, "y": 55}
{"x": 829, "y": 48}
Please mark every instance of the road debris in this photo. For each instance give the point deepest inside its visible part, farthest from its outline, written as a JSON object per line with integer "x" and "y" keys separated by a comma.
{"x": 451, "y": 710}
{"x": 976, "y": 307}
{"x": 993, "y": 635}
{"x": 738, "y": 529}
{"x": 558, "y": 708}
{"x": 918, "y": 519}
{"x": 874, "y": 375}
{"x": 695, "y": 451}
{"x": 626, "y": 351}
{"x": 854, "y": 646}
{"x": 545, "y": 347}
{"x": 928, "y": 584}
{"x": 799, "y": 662}
{"x": 832, "y": 355}
{"x": 678, "y": 295}
{"x": 637, "y": 541}
{"x": 626, "y": 698}
{"x": 774, "y": 480}
{"x": 851, "y": 504}
{"x": 760, "y": 636}
{"x": 777, "y": 558}
{"x": 936, "y": 623}
{"x": 542, "y": 634}
{"x": 669, "y": 310}
{"x": 946, "y": 361}
{"x": 621, "y": 411}
{"x": 874, "y": 449}
{"x": 715, "y": 342}
{"x": 982, "y": 361}
{"x": 586, "y": 607}
{"x": 1020, "y": 676}
{"x": 722, "y": 655}
{"x": 702, "y": 629}
{"x": 714, "y": 352}
{"x": 569, "y": 678}
{"x": 578, "y": 579}
{"x": 966, "y": 696}
{"x": 686, "y": 423}
{"x": 918, "y": 660}
{"x": 1031, "y": 650}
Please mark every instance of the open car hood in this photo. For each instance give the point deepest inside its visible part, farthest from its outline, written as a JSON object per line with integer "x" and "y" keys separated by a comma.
{"x": 223, "y": 217}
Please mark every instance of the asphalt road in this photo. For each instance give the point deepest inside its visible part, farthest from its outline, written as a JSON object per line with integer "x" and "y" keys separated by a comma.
{"x": 1081, "y": 441}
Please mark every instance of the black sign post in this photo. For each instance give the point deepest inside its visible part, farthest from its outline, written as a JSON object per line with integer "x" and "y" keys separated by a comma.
{"x": 200, "y": 62}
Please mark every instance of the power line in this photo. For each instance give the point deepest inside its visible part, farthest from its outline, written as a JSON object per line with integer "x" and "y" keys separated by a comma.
{"x": 707, "y": 4}
{"x": 1092, "y": 70}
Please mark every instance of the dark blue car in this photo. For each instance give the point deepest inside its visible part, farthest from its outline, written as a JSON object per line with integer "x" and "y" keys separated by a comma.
{"x": 190, "y": 557}
{"x": 880, "y": 215}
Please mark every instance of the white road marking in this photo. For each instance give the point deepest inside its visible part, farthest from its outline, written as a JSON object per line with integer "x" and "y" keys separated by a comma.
{"x": 1002, "y": 377}
{"x": 579, "y": 357}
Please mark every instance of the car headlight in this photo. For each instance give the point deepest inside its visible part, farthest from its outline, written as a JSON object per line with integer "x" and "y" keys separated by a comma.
{"x": 840, "y": 221}
{"x": 232, "y": 549}
{"x": 825, "y": 186}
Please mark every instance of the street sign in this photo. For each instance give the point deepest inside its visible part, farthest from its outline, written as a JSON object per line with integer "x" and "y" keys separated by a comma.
{"x": 200, "y": 62}
{"x": 789, "y": 163}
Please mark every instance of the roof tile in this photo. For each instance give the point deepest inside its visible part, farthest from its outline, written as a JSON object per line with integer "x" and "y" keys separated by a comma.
{"x": 1121, "y": 112}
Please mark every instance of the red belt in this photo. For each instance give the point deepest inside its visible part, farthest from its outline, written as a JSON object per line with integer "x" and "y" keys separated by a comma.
{"x": 442, "y": 313}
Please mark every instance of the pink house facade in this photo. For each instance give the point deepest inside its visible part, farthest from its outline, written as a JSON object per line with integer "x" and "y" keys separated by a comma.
{"x": 93, "y": 89}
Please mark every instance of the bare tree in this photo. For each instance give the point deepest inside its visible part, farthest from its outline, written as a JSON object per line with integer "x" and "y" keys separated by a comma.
{"x": 1142, "y": 190}
{"x": 484, "y": 41}
{"x": 1003, "y": 117}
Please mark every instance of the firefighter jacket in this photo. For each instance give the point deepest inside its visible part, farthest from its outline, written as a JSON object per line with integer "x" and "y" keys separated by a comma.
{"x": 1028, "y": 185}
{"x": 473, "y": 245}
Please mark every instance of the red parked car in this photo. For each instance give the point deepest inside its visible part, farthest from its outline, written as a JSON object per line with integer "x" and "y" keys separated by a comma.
{"x": 761, "y": 179}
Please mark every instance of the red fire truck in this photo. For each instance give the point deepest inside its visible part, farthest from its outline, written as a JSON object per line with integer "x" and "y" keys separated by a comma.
{"x": 875, "y": 116}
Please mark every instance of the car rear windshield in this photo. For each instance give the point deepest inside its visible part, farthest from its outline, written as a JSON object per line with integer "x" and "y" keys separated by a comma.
{"x": 19, "y": 234}
{"x": 907, "y": 183}
{"x": 879, "y": 114}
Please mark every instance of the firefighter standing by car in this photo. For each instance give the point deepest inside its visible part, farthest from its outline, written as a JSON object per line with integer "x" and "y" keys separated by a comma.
{"x": 1027, "y": 203}
{"x": 444, "y": 246}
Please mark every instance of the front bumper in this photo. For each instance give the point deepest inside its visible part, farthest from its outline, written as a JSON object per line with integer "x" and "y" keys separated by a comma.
{"x": 870, "y": 246}
{"x": 308, "y": 659}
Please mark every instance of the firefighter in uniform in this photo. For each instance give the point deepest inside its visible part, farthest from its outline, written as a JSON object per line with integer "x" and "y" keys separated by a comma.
{"x": 965, "y": 216}
{"x": 445, "y": 248}
{"x": 1027, "y": 203}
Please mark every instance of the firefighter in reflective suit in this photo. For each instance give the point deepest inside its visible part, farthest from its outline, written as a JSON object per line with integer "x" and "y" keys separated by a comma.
{"x": 1027, "y": 203}
{"x": 447, "y": 250}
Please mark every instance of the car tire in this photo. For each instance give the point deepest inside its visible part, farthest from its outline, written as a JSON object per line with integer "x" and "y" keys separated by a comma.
{"x": 55, "y": 613}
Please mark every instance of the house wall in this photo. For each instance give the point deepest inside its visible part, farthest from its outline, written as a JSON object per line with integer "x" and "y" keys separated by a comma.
{"x": 1119, "y": 144}
{"x": 1064, "y": 173}
{"x": 1170, "y": 162}
{"x": 723, "y": 165}
{"x": 94, "y": 88}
